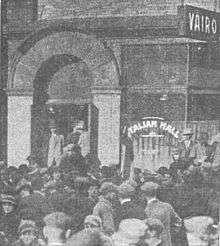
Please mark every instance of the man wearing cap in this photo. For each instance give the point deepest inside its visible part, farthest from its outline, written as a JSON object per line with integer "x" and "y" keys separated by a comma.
{"x": 129, "y": 207}
{"x": 104, "y": 208}
{"x": 56, "y": 144}
{"x": 9, "y": 220}
{"x": 57, "y": 228}
{"x": 201, "y": 152}
{"x": 186, "y": 145}
{"x": 160, "y": 210}
{"x": 27, "y": 232}
{"x": 74, "y": 137}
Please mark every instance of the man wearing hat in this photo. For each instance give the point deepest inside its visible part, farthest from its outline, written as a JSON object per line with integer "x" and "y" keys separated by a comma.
{"x": 56, "y": 144}
{"x": 57, "y": 228}
{"x": 9, "y": 220}
{"x": 186, "y": 145}
{"x": 129, "y": 207}
{"x": 27, "y": 232}
{"x": 105, "y": 207}
{"x": 74, "y": 137}
{"x": 130, "y": 232}
{"x": 160, "y": 210}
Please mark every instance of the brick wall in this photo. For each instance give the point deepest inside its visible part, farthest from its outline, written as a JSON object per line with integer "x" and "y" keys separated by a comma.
{"x": 50, "y": 9}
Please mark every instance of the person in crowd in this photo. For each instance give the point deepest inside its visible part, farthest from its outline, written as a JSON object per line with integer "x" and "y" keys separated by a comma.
{"x": 154, "y": 232}
{"x": 160, "y": 210}
{"x": 92, "y": 222}
{"x": 32, "y": 204}
{"x": 57, "y": 228}
{"x": 201, "y": 151}
{"x": 74, "y": 137}
{"x": 130, "y": 232}
{"x": 72, "y": 160}
{"x": 56, "y": 144}
{"x": 93, "y": 193}
{"x": 185, "y": 146}
{"x": 79, "y": 205}
{"x": 200, "y": 231}
{"x": 104, "y": 208}
{"x": 9, "y": 220}
{"x": 130, "y": 208}
{"x": 23, "y": 171}
{"x": 3, "y": 240}
{"x": 28, "y": 235}
{"x": 86, "y": 238}
{"x": 34, "y": 175}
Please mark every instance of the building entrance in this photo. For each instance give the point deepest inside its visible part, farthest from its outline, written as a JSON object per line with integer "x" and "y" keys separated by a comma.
{"x": 67, "y": 118}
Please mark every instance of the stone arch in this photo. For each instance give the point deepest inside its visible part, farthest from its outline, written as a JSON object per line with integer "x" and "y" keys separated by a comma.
{"x": 37, "y": 49}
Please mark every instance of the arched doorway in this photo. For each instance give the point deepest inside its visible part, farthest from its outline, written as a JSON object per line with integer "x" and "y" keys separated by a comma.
{"x": 39, "y": 65}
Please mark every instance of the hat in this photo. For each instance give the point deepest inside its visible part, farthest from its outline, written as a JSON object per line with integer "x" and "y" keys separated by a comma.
{"x": 130, "y": 231}
{"x": 108, "y": 187}
{"x": 126, "y": 190}
{"x": 8, "y": 199}
{"x": 187, "y": 131}
{"x": 94, "y": 220}
{"x": 32, "y": 157}
{"x": 25, "y": 226}
{"x": 57, "y": 220}
{"x": 155, "y": 224}
{"x": 23, "y": 184}
{"x": 197, "y": 224}
{"x": 52, "y": 124}
{"x": 149, "y": 187}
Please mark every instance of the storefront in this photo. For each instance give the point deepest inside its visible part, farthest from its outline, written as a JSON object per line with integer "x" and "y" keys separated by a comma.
{"x": 125, "y": 67}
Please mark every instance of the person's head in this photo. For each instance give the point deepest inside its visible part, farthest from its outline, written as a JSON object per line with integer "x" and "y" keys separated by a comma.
{"x": 126, "y": 191}
{"x": 57, "y": 227}
{"x": 56, "y": 174}
{"x": 53, "y": 130}
{"x": 13, "y": 174}
{"x": 204, "y": 137}
{"x": 176, "y": 154}
{"x": 86, "y": 238}
{"x": 27, "y": 232}
{"x": 8, "y": 203}
{"x": 23, "y": 170}
{"x": 25, "y": 190}
{"x": 149, "y": 189}
{"x": 109, "y": 191}
{"x": 131, "y": 232}
{"x": 155, "y": 228}
{"x": 93, "y": 222}
{"x": 106, "y": 172}
{"x": 93, "y": 192}
{"x": 32, "y": 160}
{"x": 187, "y": 134}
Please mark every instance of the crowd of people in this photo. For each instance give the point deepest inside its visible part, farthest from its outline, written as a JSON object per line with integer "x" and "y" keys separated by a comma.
{"x": 82, "y": 203}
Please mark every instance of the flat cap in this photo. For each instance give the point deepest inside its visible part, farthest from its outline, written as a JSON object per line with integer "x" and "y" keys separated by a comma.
{"x": 108, "y": 187}
{"x": 155, "y": 223}
{"x": 57, "y": 220}
{"x": 126, "y": 190}
{"x": 27, "y": 225}
{"x": 149, "y": 187}
{"x": 94, "y": 220}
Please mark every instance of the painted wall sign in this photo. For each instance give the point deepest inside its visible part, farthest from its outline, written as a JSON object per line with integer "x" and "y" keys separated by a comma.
{"x": 199, "y": 23}
{"x": 152, "y": 127}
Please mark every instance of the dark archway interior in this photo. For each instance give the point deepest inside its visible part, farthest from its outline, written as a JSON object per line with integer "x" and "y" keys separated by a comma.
{"x": 45, "y": 74}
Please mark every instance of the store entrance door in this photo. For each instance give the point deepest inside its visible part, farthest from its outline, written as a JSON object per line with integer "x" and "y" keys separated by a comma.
{"x": 64, "y": 114}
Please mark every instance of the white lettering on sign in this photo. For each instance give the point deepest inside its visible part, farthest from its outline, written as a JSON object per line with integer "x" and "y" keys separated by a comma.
{"x": 147, "y": 124}
{"x": 202, "y": 23}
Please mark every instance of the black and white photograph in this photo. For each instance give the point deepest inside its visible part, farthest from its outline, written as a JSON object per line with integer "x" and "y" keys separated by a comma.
{"x": 110, "y": 123}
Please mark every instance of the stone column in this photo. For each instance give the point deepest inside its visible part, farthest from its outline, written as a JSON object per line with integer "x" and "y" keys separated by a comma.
{"x": 108, "y": 103}
{"x": 19, "y": 128}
